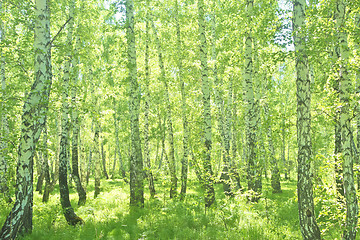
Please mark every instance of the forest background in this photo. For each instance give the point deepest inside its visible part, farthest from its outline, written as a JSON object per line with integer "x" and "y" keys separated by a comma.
{"x": 179, "y": 119}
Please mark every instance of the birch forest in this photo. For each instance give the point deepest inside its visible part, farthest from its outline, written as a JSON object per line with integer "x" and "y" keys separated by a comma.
{"x": 179, "y": 119}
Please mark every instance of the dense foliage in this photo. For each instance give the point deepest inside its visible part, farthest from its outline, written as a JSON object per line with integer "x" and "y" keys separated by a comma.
{"x": 200, "y": 99}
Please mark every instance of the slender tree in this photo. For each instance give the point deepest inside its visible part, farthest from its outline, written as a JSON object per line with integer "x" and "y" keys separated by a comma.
{"x": 171, "y": 155}
{"x": 345, "y": 125}
{"x": 76, "y": 127}
{"x": 64, "y": 155}
{"x": 4, "y": 189}
{"x": 275, "y": 173}
{"x": 48, "y": 183}
{"x": 221, "y": 113}
{"x": 251, "y": 116}
{"x": 103, "y": 159}
{"x": 117, "y": 142}
{"x": 234, "y": 169}
{"x": 308, "y": 226}
{"x": 205, "y": 88}
{"x": 33, "y": 120}
{"x": 96, "y": 153}
{"x": 357, "y": 48}
{"x": 146, "y": 113}
{"x": 184, "y": 160}
{"x": 136, "y": 161}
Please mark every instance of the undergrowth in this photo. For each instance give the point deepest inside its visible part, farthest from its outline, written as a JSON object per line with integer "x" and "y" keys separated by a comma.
{"x": 107, "y": 217}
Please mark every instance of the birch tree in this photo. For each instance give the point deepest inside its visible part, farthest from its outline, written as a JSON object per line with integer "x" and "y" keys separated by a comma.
{"x": 33, "y": 120}
{"x": 308, "y": 226}
{"x": 68, "y": 211}
{"x": 136, "y": 160}
{"x": 146, "y": 113}
{"x": 4, "y": 189}
{"x": 171, "y": 155}
{"x": 76, "y": 127}
{"x": 205, "y": 88}
{"x": 221, "y": 113}
{"x": 345, "y": 122}
{"x": 250, "y": 115}
{"x": 184, "y": 160}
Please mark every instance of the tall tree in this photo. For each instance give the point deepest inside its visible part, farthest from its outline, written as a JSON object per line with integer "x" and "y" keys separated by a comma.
{"x": 275, "y": 173}
{"x": 4, "y": 130}
{"x": 205, "y": 88}
{"x": 103, "y": 158}
{"x": 33, "y": 120}
{"x": 184, "y": 160}
{"x": 76, "y": 126}
{"x": 136, "y": 161}
{"x": 96, "y": 152}
{"x": 251, "y": 114}
{"x": 117, "y": 142}
{"x": 221, "y": 117}
{"x": 147, "y": 108}
{"x": 171, "y": 155}
{"x": 345, "y": 122}
{"x": 64, "y": 155}
{"x": 308, "y": 226}
{"x": 357, "y": 48}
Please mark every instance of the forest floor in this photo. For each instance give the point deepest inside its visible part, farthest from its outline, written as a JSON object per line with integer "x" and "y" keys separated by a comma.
{"x": 274, "y": 216}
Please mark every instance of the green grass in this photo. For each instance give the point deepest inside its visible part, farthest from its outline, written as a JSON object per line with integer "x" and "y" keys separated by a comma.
{"x": 107, "y": 217}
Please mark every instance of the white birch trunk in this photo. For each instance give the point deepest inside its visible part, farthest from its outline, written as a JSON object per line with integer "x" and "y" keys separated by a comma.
{"x": 250, "y": 112}
{"x": 345, "y": 123}
{"x": 4, "y": 189}
{"x": 136, "y": 159}
{"x": 308, "y": 226}
{"x": 33, "y": 119}
{"x": 205, "y": 87}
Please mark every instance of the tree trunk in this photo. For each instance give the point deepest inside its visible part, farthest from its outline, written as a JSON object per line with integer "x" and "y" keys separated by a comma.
{"x": 184, "y": 160}
{"x": 48, "y": 183}
{"x": 308, "y": 226}
{"x": 68, "y": 211}
{"x": 136, "y": 161}
{"x": 146, "y": 114}
{"x": 345, "y": 123}
{"x": 234, "y": 163}
{"x": 171, "y": 155}
{"x": 41, "y": 176}
{"x": 208, "y": 175}
{"x": 225, "y": 141}
{"x": 4, "y": 189}
{"x": 283, "y": 145}
{"x": 275, "y": 173}
{"x": 96, "y": 157}
{"x": 89, "y": 167}
{"x": 251, "y": 116}
{"x": 117, "y": 141}
{"x": 33, "y": 120}
{"x": 357, "y": 47}
{"x": 338, "y": 160}
{"x": 103, "y": 158}
{"x": 76, "y": 133}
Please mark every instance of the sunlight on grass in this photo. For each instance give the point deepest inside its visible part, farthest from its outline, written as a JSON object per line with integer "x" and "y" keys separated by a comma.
{"x": 107, "y": 217}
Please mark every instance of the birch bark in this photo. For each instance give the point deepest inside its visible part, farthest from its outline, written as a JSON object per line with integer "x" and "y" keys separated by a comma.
{"x": 136, "y": 159}
{"x": 308, "y": 226}
{"x": 205, "y": 88}
{"x": 345, "y": 123}
{"x": 32, "y": 122}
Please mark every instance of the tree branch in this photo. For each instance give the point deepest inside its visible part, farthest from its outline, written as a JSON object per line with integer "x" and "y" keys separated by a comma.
{"x": 59, "y": 32}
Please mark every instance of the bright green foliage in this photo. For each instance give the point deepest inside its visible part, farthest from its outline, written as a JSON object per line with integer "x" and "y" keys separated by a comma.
{"x": 221, "y": 98}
